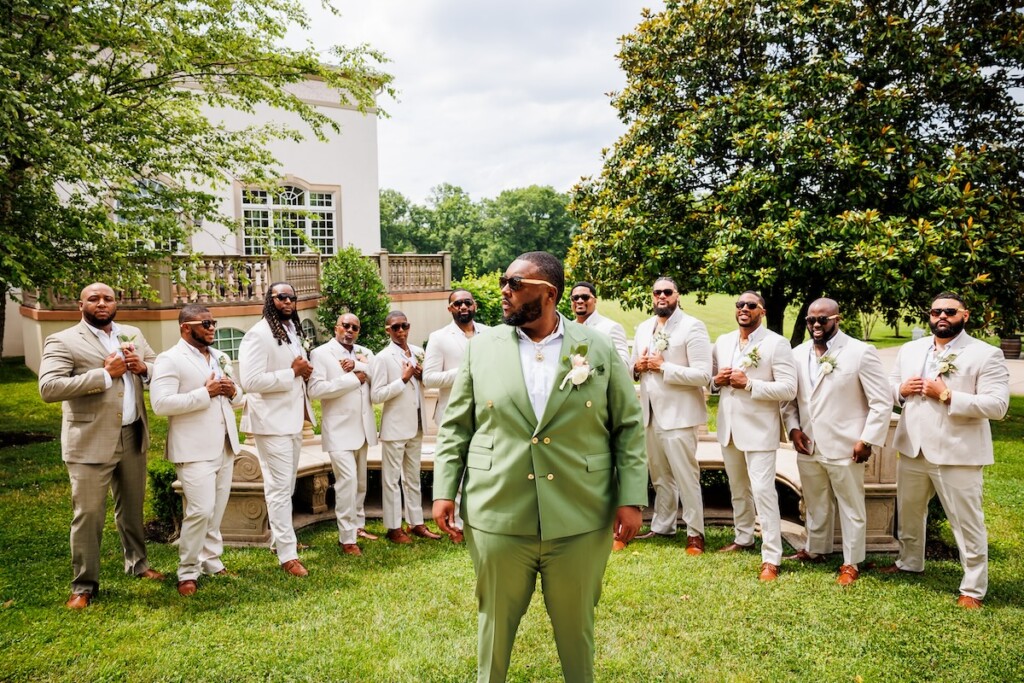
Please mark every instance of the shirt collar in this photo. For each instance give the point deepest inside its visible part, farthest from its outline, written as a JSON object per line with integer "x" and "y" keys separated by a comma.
{"x": 558, "y": 332}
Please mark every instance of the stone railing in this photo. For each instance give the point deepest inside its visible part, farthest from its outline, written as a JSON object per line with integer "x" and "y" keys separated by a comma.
{"x": 243, "y": 280}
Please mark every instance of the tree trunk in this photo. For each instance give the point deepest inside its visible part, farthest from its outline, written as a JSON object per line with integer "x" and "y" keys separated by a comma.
{"x": 3, "y": 317}
{"x": 799, "y": 326}
{"x": 775, "y": 309}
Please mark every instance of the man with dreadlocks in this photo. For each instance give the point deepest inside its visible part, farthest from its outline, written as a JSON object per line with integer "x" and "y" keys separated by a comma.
{"x": 273, "y": 367}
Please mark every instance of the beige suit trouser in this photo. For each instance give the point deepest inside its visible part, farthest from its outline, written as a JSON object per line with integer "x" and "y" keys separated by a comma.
{"x": 752, "y": 486}
{"x": 207, "y": 487}
{"x": 822, "y": 482}
{"x": 959, "y": 489}
{"x": 347, "y": 498}
{"x": 400, "y": 474}
{"x": 675, "y": 474}
{"x": 125, "y": 477}
{"x": 279, "y": 460}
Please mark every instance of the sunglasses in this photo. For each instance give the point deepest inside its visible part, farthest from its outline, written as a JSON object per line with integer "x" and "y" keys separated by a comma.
{"x": 468, "y": 303}
{"x": 350, "y": 326}
{"x": 749, "y": 305}
{"x": 664, "y": 292}
{"x": 820, "y": 319}
{"x": 286, "y": 297}
{"x": 950, "y": 312}
{"x": 395, "y": 327}
{"x": 207, "y": 324}
{"x": 580, "y": 297}
{"x": 515, "y": 283}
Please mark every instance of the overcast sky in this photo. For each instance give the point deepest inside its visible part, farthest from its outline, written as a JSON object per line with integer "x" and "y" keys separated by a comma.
{"x": 492, "y": 95}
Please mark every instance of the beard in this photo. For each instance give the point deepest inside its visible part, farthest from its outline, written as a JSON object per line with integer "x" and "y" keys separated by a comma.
{"x": 666, "y": 311}
{"x": 464, "y": 318}
{"x": 527, "y": 313}
{"x": 199, "y": 340}
{"x": 950, "y": 332}
{"x": 98, "y": 322}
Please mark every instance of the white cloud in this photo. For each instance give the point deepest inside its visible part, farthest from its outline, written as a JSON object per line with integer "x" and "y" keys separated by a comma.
{"x": 492, "y": 95}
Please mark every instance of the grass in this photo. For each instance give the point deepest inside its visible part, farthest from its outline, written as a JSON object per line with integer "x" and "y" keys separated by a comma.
{"x": 408, "y": 613}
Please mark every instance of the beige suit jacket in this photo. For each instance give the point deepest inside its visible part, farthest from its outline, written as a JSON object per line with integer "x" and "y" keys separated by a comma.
{"x": 957, "y": 434}
{"x": 71, "y": 370}
{"x": 400, "y": 419}
{"x": 675, "y": 396}
{"x": 598, "y": 322}
{"x": 346, "y": 413}
{"x": 276, "y": 402}
{"x": 848, "y": 405}
{"x": 445, "y": 350}
{"x": 196, "y": 423}
{"x": 752, "y": 420}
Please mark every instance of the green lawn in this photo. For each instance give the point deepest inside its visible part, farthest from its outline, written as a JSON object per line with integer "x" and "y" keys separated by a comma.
{"x": 408, "y": 613}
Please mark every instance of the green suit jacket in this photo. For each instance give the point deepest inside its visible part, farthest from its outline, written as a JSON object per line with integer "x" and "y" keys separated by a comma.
{"x": 560, "y": 477}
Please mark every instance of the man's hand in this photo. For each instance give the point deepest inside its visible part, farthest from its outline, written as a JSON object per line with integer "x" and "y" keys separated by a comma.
{"x": 655, "y": 361}
{"x": 134, "y": 362}
{"x": 738, "y": 379}
{"x": 933, "y": 388}
{"x": 362, "y": 376}
{"x": 408, "y": 369}
{"x": 444, "y": 515}
{"x": 114, "y": 365}
{"x": 417, "y": 371}
{"x": 628, "y": 519}
{"x": 861, "y": 452}
{"x": 347, "y": 365}
{"x": 640, "y": 366}
{"x": 801, "y": 442}
{"x": 914, "y": 385}
{"x": 227, "y": 387}
{"x": 301, "y": 367}
{"x": 213, "y": 387}
{"x": 722, "y": 378}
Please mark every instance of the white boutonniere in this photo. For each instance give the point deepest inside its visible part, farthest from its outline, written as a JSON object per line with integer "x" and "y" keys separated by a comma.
{"x": 750, "y": 359}
{"x": 827, "y": 364}
{"x": 307, "y": 344}
{"x": 361, "y": 357}
{"x": 580, "y": 370}
{"x": 946, "y": 366}
{"x": 419, "y": 359}
{"x": 224, "y": 364}
{"x": 660, "y": 342}
{"x": 127, "y": 343}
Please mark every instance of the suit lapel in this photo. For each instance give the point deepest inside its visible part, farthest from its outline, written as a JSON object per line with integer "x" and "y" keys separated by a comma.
{"x": 573, "y": 337}
{"x": 511, "y": 368}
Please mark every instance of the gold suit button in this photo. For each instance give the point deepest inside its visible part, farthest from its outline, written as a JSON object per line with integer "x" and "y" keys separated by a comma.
{"x": 590, "y": 404}
{"x": 550, "y": 477}
{"x": 490, "y": 404}
{"x": 547, "y": 439}
{"x": 119, "y": 414}
{"x": 120, "y": 394}
{"x": 530, "y": 476}
{"x": 534, "y": 440}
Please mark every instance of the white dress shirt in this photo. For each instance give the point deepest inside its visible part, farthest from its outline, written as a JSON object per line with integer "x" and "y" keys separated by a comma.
{"x": 540, "y": 362}
{"x": 111, "y": 343}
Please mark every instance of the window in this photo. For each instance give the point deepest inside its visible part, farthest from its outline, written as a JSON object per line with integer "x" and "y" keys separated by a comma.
{"x": 227, "y": 340}
{"x": 308, "y": 329}
{"x": 292, "y": 218}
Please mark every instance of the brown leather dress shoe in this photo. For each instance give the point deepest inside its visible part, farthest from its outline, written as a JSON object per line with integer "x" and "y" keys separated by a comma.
{"x": 769, "y": 572}
{"x": 735, "y": 547}
{"x": 967, "y": 602}
{"x": 617, "y": 545}
{"x": 456, "y": 536}
{"x": 225, "y": 572}
{"x": 363, "y": 533}
{"x": 152, "y": 575}
{"x": 896, "y": 569}
{"x": 78, "y": 601}
{"x": 694, "y": 545}
{"x": 847, "y": 575}
{"x": 294, "y": 567}
{"x": 398, "y": 536}
{"x": 422, "y": 531}
{"x": 187, "y": 588}
{"x": 804, "y": 556}
{"x": 350, "y": 549}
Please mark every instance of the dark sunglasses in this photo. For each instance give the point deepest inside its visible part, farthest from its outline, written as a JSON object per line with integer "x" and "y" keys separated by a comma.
{"x": 580, "y": 297}
{"x": 286, "y": 297}
{"x": 664, "y": 292}
{"x": 395, "y": 327}
{"x": 350, "y": 326}
{"x": 207, "y": 324}
{"x": 950, "y": 312}
{"x": 468, "y": 303}
{"x": 750, "y": 305}
{"x": 515, "y": 283}
{"x": 820, "y": 319}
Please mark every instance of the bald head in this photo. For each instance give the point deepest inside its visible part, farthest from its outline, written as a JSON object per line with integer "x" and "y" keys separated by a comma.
{"x": 825, "y": 305}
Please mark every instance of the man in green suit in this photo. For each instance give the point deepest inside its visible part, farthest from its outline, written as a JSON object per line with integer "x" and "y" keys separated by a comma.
{"x": 545, "y": 428}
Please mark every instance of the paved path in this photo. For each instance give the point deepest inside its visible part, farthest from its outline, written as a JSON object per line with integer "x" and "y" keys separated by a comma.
{"x": 1016, "y": 369}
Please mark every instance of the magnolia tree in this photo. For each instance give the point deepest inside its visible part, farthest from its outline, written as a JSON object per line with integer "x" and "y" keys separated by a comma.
{"x": 868, "y": 151}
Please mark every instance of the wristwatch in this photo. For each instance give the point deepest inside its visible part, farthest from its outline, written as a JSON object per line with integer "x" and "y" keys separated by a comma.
{"x": 944, "y": 396}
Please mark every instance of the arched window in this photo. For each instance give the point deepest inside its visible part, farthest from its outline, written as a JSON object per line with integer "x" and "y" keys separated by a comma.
{"x": 227, "y": 340}
{"x": 292, "y": 218}
{"x": 308, "y": 329}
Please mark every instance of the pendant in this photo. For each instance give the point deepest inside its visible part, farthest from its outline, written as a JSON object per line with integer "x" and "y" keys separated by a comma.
{"x": 539, "y": 356}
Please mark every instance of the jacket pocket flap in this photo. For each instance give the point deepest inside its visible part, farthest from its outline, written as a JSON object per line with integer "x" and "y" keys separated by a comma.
{"x": 478, "y": 461}
{"x": 485, "y": 441}
{"x": 600, "y": 461}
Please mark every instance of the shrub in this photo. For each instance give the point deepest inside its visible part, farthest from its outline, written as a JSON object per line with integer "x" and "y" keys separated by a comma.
{"x": 165, "y": 502}
{"x": 351, "y": 284}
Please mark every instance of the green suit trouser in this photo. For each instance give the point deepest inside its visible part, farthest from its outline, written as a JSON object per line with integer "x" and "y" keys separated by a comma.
{"x": 571, "y": 570}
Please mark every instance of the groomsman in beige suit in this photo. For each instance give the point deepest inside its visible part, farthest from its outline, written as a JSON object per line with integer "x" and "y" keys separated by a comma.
{"x": 754, "y": 373}
{"x": 192, "y": 387}
{"x": 98, "y": 369}
{"x": 274, "y": 369}
{"x": 584, "y": 305}
{"x": 348, "y": 428}
{"x": 395, "y": 382}
{"x": 445, "y": 349}
{"x": 841, "y": 413}
{"x": 949, "y": 385}
{"x": 672, "y": 360}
